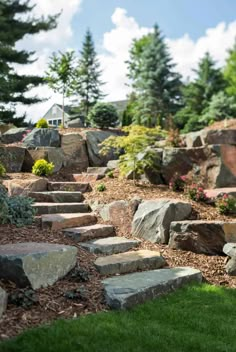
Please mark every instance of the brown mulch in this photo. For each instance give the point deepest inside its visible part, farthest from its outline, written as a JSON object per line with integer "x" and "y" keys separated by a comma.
{"x": 222, "y": 125}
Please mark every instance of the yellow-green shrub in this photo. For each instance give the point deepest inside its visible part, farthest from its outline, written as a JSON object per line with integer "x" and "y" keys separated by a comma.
{"x": 2, "y": 170}
{"x": 42, "y": 123}
{"x": 42, "y": 168}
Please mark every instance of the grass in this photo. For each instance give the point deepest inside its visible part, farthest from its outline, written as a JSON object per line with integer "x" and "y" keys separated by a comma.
{"x": 196, "y": 318}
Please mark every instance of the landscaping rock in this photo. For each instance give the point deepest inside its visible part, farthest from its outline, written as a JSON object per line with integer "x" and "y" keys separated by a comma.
{"x": 3, "y": 301}
{"x": 84, "y": 177}
{"x": 230, "y": 250}
{"x": 219, "y": 192}
{"x": 153, "y": 218}
{"x": 12, "y": 158}
{"x": 36, "y": 264}
{"x": 14, "y": 135}
{"x": 75, "y": 150}
{"x": 227, "y": 136}
{"x": 113, "y": 164}
{"x": 57, "y": 222}
{"x": 93, "y": 140}
{"x": 42, "y": 137}
{"x": 129, "y": 261}
{"x": 86, "y": 233}
{"x": 69, "y": 186}
{"x": 201, "y": 236}
{"x": 100, "y": 171}
{"x": 57, "y": 196}
{"x": 52, "y": 155}
{"x": 55, "y": 208}
{"x": 123, "y": 292}
{"x": 17, "y": 187}
{"x": 110, "y": 245}
{"x": 194, "y": 139}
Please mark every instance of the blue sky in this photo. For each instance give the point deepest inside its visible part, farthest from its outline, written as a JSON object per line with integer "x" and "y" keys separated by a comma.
{"x": 191, "y": 27}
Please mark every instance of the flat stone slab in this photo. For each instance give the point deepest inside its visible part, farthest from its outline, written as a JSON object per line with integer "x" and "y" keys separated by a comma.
{"x": 123, "y": 292}
{"x": 101, "y": 171}
{"x": 63, "y": 221}
{"x": 84, "y": 177}
{"x": 110, "y": 245}
{"x": 85, "y": 233}
{"x": 55, "y": 208}
{"x": 129, "y": 262}
{"x": 36, "y": 264}
{"x": 57, "y": 197}
{"x": 69, "y": 186}
{"x": 3, "y": 301}
{"x": 201, "y": 236}
{"x": 218, "y": 192}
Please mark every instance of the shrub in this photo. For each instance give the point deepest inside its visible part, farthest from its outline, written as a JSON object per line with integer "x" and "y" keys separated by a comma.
{"x": 226, "y": 204}
{"x": 42, "y": 123}
{"x": 110, "y": 174}
{"x": 103, "y": 115}
{"x": 42, "y": 168}
{"x": 2, "y": 170}
{"x": 197, "y": 193}
{"x": 173, "y": 138}
{"x": 177, "y": 183}
{"x": 101, "y": 187}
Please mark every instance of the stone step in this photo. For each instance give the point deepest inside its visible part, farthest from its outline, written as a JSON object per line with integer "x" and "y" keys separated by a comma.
{"x": 57, "y": 197}
{"x": 69, "y": 186}
{"x": 101, "y": 171}
{"x": 55, "y": 208}
{"x": 110, "y": 245}
{"x": 85, "y": 233}
{"x": 125, "y": 291}
{"x": 63, "y": 221}
{"x": 218, "y": 192}
{"x": 84, "y": 177}
{"x": 36, "y": 264}
{"x": 129, "y": 261}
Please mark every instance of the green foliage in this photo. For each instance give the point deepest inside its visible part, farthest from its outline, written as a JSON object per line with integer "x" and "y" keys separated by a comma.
{"x": 101, "y": 187}
{"x": 42, "y": 123}
{"x": 42, "y": 168}
{"x": 16, "y": 22}
{"x": 230, "y": 72}
{"x": 16, "y": 210}
{"x": 103, "y": 115}
{"x": 2, "y": 170}
{"x": 130, "y": 113}
{"x": 110, "y": 174}
{"x": 25, "y": 298}
{"x": 197, "y": 193}
{"x": 87, "y": 82}
{"x": 226, "y": 204}
{"x": 136, "y": 145}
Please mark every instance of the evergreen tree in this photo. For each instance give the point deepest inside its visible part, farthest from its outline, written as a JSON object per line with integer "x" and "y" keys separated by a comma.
{"x": 103, "y": 115}
{"x": 197, "y": 94}
{"x": 88, "y": 73}
{"x": 158, "y": 86}
{"x": 230, "y": 72}
{"x": 14, "y": 25}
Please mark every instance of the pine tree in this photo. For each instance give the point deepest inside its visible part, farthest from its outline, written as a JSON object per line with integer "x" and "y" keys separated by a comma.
{"x": 197, "y": 94}
{"x": 14, "y": 25}
{"x": 158, "y": 86}
{"x": 88, "y": 73}
{"x": 230, "y": 72}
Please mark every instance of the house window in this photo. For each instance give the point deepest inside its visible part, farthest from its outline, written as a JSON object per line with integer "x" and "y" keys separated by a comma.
{"x": 54, "y": 122}
{"x": 59, "y": 122}
{"x": 50, "y": 122}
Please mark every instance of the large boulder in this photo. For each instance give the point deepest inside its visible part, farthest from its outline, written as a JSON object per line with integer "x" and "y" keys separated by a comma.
{"x": 12, "y": 158}
{"x": 93, "y": 140}
{"x": 42, "y": 137}
{"x": 75, "y": 150}
{"x": 36, "y": 264}
{"x": 14, "y": 135}
{"x": 52, "y": 155}
{"x": 18, "y": 187}
{"x": 230, "y": 250}
{"x": 153, "y": 218}
{"x": 195, "y": 139}
{"x": 227, "y": 136}
{"x": 201, "y": 236}
{"x": 3, "y": 301}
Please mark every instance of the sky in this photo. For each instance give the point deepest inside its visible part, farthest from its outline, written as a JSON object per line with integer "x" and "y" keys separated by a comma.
{"x": 190, "y": 27}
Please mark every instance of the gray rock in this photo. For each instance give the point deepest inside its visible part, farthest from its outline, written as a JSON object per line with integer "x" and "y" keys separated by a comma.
{"x": 75, "y": 150}
{"x": 17, "y": 187}
{"x": 57, "y": 222}
{"x": 110, "y": 245}
{"x": 69, "y": 186}
{"x": 93, "y": 140}
{"x": 231, "y": 267}
{"x": 230, "y": 249}
{"x": 56, "y": 208}
{"x": 14, "y": 135}
{"x": 52, "y": 155}
{"x": 42, "y": 137}
{"x": 113, "y": 164}
{"x": 224, "y": 136}
{"x": 12, "y": 158}
{"x": 129, "y": 261}
{"x": 201, "y": 236}
{"x": 36, "y": 264}
{"x": 86, "y": 233}
{"x": 153, "y": 218}
{"x": 123, "y": 292}
{"x": 57, "y": 197}
{"x": 3, "y": 301}
{"x": 75, "y": 123}
{"x": 100, "y": 171}
{"x": 195, "y": 139}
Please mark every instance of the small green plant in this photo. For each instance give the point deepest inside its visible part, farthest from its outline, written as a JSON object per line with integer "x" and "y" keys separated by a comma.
{"x": 42, "y": 168}
{"x": 101, "y": 187}
{"x": 42, "y": 123}
{"x": 110, "y": 174}
{"x": 226, "y": 204}
{"x": 197, "y": 193}
{"x": 23, "y": 298}
{"x": 2, "y": 170}
{"x": 178, "y": 182}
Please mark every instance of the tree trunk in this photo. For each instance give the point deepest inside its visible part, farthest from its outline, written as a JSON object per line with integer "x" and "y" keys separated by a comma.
{"x": 63, "y": 109}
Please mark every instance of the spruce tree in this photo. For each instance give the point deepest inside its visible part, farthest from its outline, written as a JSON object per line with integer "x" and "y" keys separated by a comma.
{"x": 88, "y": 73}
{"x": 230, "y": 72}
{"x": 15, "y": 23}
{"x": 158, "y": 86}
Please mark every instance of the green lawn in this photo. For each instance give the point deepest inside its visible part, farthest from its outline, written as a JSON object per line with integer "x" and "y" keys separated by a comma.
{"x": 195, "y": 318}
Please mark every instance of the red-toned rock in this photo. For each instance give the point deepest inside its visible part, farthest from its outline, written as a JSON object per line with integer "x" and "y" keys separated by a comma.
{"x": 18, "y": 187}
